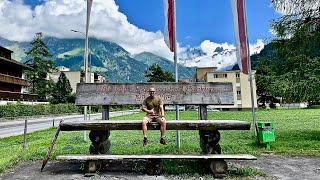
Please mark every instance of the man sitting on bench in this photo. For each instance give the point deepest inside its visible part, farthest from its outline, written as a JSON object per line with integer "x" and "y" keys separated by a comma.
{"x": 153, "y": 106}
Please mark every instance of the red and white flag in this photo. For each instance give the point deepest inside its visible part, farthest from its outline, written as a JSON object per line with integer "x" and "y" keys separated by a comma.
{"x": 169, "y": 24}
{"x": 240, "y": 33}
{"x": 89, "y": 5}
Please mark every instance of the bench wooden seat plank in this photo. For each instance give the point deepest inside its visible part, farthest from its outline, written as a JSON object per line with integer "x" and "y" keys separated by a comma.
{"x": 171, "y": 125}
{"x": 156, "y": 156}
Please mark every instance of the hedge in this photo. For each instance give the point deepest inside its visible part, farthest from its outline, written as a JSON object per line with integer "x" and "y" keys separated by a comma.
{"x": 16, "y": 110}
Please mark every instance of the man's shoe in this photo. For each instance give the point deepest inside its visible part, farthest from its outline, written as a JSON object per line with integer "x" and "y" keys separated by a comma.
{"x": 163, "y": 141}
{"x": 145, "y": 141}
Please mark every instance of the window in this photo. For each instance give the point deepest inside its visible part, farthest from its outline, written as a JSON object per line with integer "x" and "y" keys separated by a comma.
{"x": 215, "y": 76}
{"x": 237, "y": 84}
{"x": 238, "y": 92}
{"x": 225, "y": 75}
{"x": 237, "y": 75}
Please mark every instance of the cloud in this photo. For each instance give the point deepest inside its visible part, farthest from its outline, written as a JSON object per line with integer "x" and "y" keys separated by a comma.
{"x": 57, "y": 17}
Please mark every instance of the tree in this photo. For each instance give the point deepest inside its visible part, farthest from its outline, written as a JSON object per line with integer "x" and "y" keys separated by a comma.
{"x": 264, "y": 77}
{"x": 155, "y": 74}
{"x": 42, "y": 64}
{"x": 295, "y": 68}
{"x": 61, "y": 92}
{"x": 297, "y": 14}
{"x": 302, "y": 82}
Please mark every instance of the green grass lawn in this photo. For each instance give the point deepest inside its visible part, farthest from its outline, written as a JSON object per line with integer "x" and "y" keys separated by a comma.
{"x": 297, "y": 132}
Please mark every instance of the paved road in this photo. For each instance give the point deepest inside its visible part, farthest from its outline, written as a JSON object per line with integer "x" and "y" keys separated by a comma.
{"x": 13, "y": 128}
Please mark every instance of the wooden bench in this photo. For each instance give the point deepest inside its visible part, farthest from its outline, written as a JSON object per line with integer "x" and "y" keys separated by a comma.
{"x": 108, "y": 94}
{"x": 171, "y": 125}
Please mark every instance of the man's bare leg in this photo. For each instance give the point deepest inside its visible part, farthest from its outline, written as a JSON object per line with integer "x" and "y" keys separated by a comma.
{"x": 162, "y": 130}
{"x": 144, "y": 128}
{"x": 144, "y": 131}
{"x": 163, "y": 127}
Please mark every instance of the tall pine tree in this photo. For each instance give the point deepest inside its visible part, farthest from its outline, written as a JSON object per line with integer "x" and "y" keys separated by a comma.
{"x": 62, "y": 90}
{"x": 40, "y": 61}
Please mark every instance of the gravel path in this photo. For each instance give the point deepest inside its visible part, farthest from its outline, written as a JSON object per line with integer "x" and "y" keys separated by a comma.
{"x": 276, "y": 167}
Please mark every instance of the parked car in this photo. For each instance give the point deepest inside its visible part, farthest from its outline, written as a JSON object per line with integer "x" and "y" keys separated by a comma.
{"x": 194, "y": 108}
{"x": 173, "y": 108}
{"x": 212, "y": 109}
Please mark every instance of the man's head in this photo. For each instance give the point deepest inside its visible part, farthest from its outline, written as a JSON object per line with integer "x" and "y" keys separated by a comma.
{"x": 152, "y": 92}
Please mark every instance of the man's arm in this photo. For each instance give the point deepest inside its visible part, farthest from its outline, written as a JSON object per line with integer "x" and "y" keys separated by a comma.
{"x": 162, "y": 110}
{"x": 146, "y": 110}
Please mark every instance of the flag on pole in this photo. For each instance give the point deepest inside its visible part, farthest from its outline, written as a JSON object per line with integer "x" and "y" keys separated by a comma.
{"x": 169, "y": 24}
{"x": 243, "y": 54}
{"x": 89, "y": 5}
{"x": 240, "y": 33}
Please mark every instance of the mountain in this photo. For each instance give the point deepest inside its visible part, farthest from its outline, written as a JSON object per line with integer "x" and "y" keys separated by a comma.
{"x": 191, "y": 54}
{"x": 106, "y": 58}
{"x": 223, "y": 56}
{"x": 223, "y": 59}
{"x": 19, "y": 48}
{"x": 167, "y": 65}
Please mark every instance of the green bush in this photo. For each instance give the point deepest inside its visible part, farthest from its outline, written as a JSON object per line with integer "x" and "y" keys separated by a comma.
{"x": 15, "y": 110}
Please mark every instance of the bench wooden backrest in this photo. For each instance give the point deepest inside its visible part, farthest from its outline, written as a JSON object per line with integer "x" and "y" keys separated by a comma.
{"x": 197, "y": 93}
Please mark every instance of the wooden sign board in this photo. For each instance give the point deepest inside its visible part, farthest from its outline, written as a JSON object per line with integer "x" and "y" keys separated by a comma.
{"x": 170, "y": 92}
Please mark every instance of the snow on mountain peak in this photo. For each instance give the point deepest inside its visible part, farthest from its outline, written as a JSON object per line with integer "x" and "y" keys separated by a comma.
{"x": 211, "y": 54}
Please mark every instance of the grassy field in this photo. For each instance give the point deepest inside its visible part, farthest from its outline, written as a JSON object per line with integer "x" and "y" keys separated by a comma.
{"x": 297, "y": 132}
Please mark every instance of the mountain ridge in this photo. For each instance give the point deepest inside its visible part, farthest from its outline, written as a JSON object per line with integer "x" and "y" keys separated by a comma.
{"x": 106, "y": 58}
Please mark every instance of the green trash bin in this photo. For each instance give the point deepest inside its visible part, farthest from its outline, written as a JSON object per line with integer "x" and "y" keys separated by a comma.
{"x": 266, "y": 133}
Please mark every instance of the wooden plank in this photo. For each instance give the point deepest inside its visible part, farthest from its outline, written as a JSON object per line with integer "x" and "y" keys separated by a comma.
{"x": 170, "y": 92}
{"x": 156, "y": 156}
{"x": 105, "y": 112}
{"x": 171, "y": 125}
{"x": 203, "y": 114}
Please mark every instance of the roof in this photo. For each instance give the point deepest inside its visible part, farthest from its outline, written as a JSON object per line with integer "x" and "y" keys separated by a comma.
{"x": 15, "y": 62}
{"x": 3, "y": 48}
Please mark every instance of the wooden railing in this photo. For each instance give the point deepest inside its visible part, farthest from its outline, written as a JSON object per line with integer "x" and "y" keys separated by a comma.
{"x": 15, "y": 96}
{"x": 13, "y": 80}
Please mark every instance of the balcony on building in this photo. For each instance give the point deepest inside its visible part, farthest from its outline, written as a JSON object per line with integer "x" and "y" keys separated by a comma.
{"x": 13, "y": 86}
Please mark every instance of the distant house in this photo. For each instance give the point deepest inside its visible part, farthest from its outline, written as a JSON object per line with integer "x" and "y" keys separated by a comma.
{"x": 240, "y": 85}
{"x": 13, "y": 86}
{"x": 75, "y": 77}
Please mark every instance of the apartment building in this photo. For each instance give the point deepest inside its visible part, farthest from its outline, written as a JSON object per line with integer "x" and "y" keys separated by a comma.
{"x": 75, "y": 77}
{"x": 240, "y": 83}
{"x": 13, "y": 85}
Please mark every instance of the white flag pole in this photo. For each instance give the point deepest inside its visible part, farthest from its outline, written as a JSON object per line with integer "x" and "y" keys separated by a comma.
{"x": 89, "y": 4}
{"x": 250, "y": 72}
{"x": 175, "y": 63}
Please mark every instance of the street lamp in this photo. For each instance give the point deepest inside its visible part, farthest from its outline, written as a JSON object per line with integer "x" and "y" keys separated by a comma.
{"x": 78, "y": 32}
{"x": 86, "y": 75}
{"x": 90, "y": 50}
